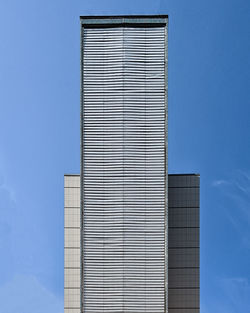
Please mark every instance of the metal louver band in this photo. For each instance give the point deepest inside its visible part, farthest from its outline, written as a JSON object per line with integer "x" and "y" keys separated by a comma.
{"x": 124, "y": 169}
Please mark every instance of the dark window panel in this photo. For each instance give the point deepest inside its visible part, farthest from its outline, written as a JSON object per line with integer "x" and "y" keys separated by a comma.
{"x": 183, "y": 237}
{"x": 184, "y": 298}
{"x": 183, "y": 217}
{"x": 184, "y": 278}
{"x": 183, "y": 180}
{"x": 183, "y": 197}
{"x": 186, "y": 257}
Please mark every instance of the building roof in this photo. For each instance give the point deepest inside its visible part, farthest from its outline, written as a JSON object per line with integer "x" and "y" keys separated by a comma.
{"x": 122, "y": 20}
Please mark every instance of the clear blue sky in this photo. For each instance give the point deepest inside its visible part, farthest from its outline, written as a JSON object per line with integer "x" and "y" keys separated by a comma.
{"x": 209, "y": 133}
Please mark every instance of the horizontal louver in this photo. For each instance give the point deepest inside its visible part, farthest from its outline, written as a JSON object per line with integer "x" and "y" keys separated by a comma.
{"x": 124, "y": 191}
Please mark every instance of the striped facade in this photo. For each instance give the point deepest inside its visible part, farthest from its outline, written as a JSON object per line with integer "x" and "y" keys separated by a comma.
{"x": 124, "y": 170}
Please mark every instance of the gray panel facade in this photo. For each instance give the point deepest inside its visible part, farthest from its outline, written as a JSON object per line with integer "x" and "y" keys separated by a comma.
{"x": 72, "y": 252}
{"x": 184, "y": 244}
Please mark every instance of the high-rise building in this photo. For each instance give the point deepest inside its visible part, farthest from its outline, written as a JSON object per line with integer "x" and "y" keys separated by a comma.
{"x": 131, "y": 230}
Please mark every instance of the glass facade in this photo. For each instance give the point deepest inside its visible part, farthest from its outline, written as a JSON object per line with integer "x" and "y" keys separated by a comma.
{"x": 184, "y": 244}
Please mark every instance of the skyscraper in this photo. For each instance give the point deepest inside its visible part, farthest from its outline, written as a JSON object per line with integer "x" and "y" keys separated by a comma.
{"x": 118, "y": 255}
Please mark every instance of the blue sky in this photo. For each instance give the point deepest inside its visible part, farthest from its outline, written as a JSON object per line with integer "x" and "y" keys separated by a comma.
{"x": 209, "y": 133}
